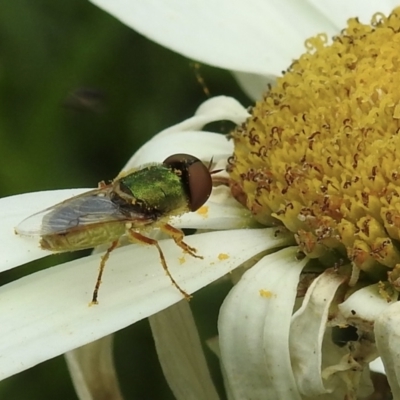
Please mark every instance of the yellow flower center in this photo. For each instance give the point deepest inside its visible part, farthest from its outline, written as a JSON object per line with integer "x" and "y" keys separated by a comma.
{"x": 321, "y": 152}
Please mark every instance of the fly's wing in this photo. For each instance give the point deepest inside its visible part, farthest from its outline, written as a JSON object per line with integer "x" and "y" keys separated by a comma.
{"x": 81, "y": 211}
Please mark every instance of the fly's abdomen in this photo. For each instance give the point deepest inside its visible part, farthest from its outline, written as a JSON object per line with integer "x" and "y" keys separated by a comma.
{"x": 79, "y": 239}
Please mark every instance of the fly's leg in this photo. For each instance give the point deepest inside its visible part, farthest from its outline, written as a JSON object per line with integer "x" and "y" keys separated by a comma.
{"x": 178, "y": 236}
{"x": 137, "y": 237}
{"x": 104, "y": 259}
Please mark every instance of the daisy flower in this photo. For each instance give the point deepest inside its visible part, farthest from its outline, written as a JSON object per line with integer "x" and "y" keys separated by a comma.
{"x": 314, "y": 164}
{"x": 288, "y": 169}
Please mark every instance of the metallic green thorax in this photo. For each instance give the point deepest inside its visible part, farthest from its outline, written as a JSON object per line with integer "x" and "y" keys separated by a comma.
{"x": 157, "y": 188}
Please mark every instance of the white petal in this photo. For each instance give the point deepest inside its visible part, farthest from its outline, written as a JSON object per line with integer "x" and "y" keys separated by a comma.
{"x": 307, "y": 333}
{"x": 387, "y": 336}
{"x": 51, "y": 307}
{"x": 220, "y": 108}
{"x": 377, "y": 366}
{"x": 254, "y": 85}
{"x": 340, "y": 11}
{"x": 92, "y": 370}
{"x": 254, "y": 327}
{"x": 365, "y": 305}
{"x": 220, "y": 212}
{"x": 16, "y": 249}
{"x": 180, "y": 353}
{"x": 255, "y": 36}
{"x": 203, "y": 145}
{"x": 186, "y": 137}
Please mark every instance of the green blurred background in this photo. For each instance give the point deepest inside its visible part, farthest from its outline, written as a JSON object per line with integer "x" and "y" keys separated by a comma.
{"x": 80, "y": 92}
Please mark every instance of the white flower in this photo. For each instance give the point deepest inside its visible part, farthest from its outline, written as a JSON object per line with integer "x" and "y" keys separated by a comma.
{"x": 257, "y": 40}
{"x": 266, "y": 350}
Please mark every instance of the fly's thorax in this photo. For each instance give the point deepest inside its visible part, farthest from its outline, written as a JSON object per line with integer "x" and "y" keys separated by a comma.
{"x": 156, "y": 191}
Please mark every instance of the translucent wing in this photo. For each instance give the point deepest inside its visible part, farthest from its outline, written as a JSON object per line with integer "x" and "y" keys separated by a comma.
{"x": 93, "y": 207}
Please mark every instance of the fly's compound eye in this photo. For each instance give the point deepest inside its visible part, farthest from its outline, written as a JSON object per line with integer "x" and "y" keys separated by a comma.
{"x": 195, "y": 176}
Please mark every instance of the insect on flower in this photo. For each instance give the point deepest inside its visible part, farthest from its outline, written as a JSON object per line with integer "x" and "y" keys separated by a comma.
{"x": 136, "y": 201}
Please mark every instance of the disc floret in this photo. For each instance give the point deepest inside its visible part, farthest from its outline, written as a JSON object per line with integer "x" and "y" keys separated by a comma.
{"x": 320, "y": 153}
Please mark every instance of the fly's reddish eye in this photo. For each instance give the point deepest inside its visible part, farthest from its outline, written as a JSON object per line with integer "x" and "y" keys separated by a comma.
{"x": 195, "y": 177}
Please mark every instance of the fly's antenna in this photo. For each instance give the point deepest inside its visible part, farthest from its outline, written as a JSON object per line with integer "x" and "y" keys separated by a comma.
{"x": 217, "y": 180}
{"x": 215, "y": 171}
{"x": 210, "y": 164}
